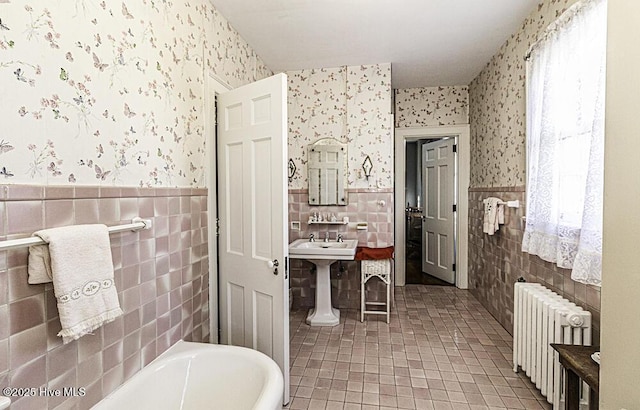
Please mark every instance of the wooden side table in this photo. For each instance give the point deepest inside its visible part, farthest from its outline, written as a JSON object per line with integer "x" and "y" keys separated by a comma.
{"x": 577, "y": 362}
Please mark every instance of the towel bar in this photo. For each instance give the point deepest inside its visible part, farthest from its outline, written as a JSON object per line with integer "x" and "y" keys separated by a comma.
{"x": 136, "y": 224}
{"x": 510, "y": 204}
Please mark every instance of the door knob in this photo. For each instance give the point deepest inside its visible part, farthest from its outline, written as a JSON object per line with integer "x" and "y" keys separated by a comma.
{"x": 273, "y": 265}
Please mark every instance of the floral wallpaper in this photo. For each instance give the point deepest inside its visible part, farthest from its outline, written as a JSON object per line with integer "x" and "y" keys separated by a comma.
{"x": 316, "y": 109}
{"x": 111, "y": 93}
{"x": 351, "y": 104}
{"x": 432, "y": 106}
{"x": 497, "y": 101}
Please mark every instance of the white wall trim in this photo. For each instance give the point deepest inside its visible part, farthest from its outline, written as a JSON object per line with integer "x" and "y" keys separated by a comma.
{"x": 213, "y": 86}
{"x": 402, "y": 135}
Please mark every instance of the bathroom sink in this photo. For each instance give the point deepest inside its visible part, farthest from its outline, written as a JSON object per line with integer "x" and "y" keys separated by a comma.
{"x": 322, "y": 255}
{"x": 303, "y": 249}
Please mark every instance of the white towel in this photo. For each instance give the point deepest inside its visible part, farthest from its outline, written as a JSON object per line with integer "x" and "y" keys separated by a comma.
{"x": 81, "y": 268}
{"x": 493, "y": 215}
{"x": 39, "y": 265}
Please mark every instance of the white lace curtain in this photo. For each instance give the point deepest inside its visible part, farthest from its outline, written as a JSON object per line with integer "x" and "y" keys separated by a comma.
{"x": 565, "y": 142}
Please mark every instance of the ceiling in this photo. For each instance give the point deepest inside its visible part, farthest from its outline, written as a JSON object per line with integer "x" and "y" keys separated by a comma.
{"x": 428, "y": 42}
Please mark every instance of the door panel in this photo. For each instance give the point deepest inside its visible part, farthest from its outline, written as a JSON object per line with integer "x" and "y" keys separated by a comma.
{"x": 438, "y": 222}
{"x": 236, "y": 314}
{"x": 263, "y": 315}
{"x": 233, "y": 116}
{"x": 234, "y": 199}
{"x": 261, "y": 193}
{"x": 252, "y": 136}
{"x": 430, "y": 255}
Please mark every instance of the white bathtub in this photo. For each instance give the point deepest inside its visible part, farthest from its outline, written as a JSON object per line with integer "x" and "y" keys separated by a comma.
{"x": 202, "y": 376}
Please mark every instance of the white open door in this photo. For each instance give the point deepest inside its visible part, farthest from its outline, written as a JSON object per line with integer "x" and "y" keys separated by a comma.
{"x": 253, "y": 242}
{"x": 438, "y": 223}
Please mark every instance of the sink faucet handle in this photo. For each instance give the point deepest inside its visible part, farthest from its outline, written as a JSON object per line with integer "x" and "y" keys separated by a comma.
{"x": 312, "y": 237}
{"x": 339, "y": 238}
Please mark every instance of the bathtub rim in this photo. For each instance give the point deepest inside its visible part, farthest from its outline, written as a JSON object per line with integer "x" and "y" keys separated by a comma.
{"x": 270, "y": 394}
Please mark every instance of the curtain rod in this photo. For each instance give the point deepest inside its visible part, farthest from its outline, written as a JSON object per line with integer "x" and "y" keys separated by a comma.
{"x": 564, "y": 18}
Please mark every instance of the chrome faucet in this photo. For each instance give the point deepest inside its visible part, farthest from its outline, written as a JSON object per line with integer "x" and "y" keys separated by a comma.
{"x": 339, "y": 238}
{"x": 326, "y": 236}
{"x": 312, "y": 237}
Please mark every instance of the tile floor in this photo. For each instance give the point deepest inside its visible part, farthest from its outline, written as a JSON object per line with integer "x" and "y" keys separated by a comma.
{"x": 442, "y": 350}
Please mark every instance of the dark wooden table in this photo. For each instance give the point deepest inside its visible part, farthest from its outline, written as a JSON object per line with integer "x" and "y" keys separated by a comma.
{"x": 578, "y": 364}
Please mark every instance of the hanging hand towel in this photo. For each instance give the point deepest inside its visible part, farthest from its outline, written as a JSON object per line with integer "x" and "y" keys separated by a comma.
{"x": 82, "y": 272}
{"x": 493, "y": 215}
{"x": 39, "y": 266}
{"x": 500, "y": 216}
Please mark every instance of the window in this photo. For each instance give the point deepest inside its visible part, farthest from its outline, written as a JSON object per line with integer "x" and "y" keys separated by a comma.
{"x": 565, "y": 141}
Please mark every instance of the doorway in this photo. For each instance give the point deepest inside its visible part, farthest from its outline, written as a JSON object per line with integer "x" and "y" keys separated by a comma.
{"x": 430, "y": 211}
{"x": 214, "y": 87}
{"x": 405, "y": 136}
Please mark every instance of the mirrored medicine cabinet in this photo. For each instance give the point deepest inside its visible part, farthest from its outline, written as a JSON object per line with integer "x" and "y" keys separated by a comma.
{"x": 327, "y": 171}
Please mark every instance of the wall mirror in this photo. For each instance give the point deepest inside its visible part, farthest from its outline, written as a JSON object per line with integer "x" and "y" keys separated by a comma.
{"x": 327, "y": 169}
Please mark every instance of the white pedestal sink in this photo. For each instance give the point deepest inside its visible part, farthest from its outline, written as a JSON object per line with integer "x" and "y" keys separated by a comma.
{"x": 323, "y": 254}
